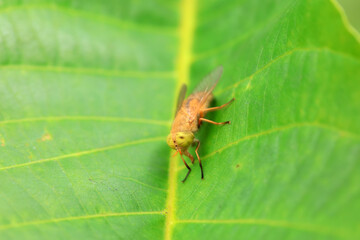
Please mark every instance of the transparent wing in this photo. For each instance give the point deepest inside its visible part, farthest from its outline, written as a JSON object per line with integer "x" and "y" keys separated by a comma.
{"x": 181, "y": 98}
{"x": 208, "y": 84}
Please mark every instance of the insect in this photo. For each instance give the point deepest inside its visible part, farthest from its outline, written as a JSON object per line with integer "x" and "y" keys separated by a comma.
{"x": 189, "y": 116}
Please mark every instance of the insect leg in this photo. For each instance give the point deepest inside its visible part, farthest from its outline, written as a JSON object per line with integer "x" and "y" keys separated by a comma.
{"x": 189, "y": 156}
{"x": 187, "y": 166}
{"x": 212, "y": 122}
{"x": 218, "y": 108}
{"x": 197, "y": 154}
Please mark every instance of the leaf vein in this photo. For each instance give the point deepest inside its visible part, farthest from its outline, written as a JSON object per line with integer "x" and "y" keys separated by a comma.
{"x": 111, "y": 21}
{"x": 92, "y": 71}
{"x": 86, "y": 118}
{"x": 272, "y": 223}
{"x": 286, "y": 54}
{"x": 282, "y": 128}
{"x": 74, "y": 218}
{"x": 86, "y": 152}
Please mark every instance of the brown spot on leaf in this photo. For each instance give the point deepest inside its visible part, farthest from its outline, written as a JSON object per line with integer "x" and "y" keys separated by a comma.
{"x": 46, "y": 137}
{"x": 238, "y": 166}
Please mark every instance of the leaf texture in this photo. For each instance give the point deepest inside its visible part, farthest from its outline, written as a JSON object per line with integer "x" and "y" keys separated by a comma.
{"x": 88, "y": 91}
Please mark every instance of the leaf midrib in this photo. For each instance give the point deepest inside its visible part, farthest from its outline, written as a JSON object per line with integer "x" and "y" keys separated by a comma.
{"x": 186, "y": 33}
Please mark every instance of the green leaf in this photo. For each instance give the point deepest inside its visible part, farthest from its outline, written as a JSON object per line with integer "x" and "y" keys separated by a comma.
{"x": 87, "y": 95}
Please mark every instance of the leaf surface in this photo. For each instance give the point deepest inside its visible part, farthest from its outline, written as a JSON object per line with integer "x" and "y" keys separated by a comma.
{"x": 87, "y": 95}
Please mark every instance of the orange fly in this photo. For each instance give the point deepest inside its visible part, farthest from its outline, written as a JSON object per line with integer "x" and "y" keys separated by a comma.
{"x": 190, "y": 114}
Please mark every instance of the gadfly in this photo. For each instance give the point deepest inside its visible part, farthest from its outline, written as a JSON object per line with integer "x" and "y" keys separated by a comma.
{"x": 190, "y": 114}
